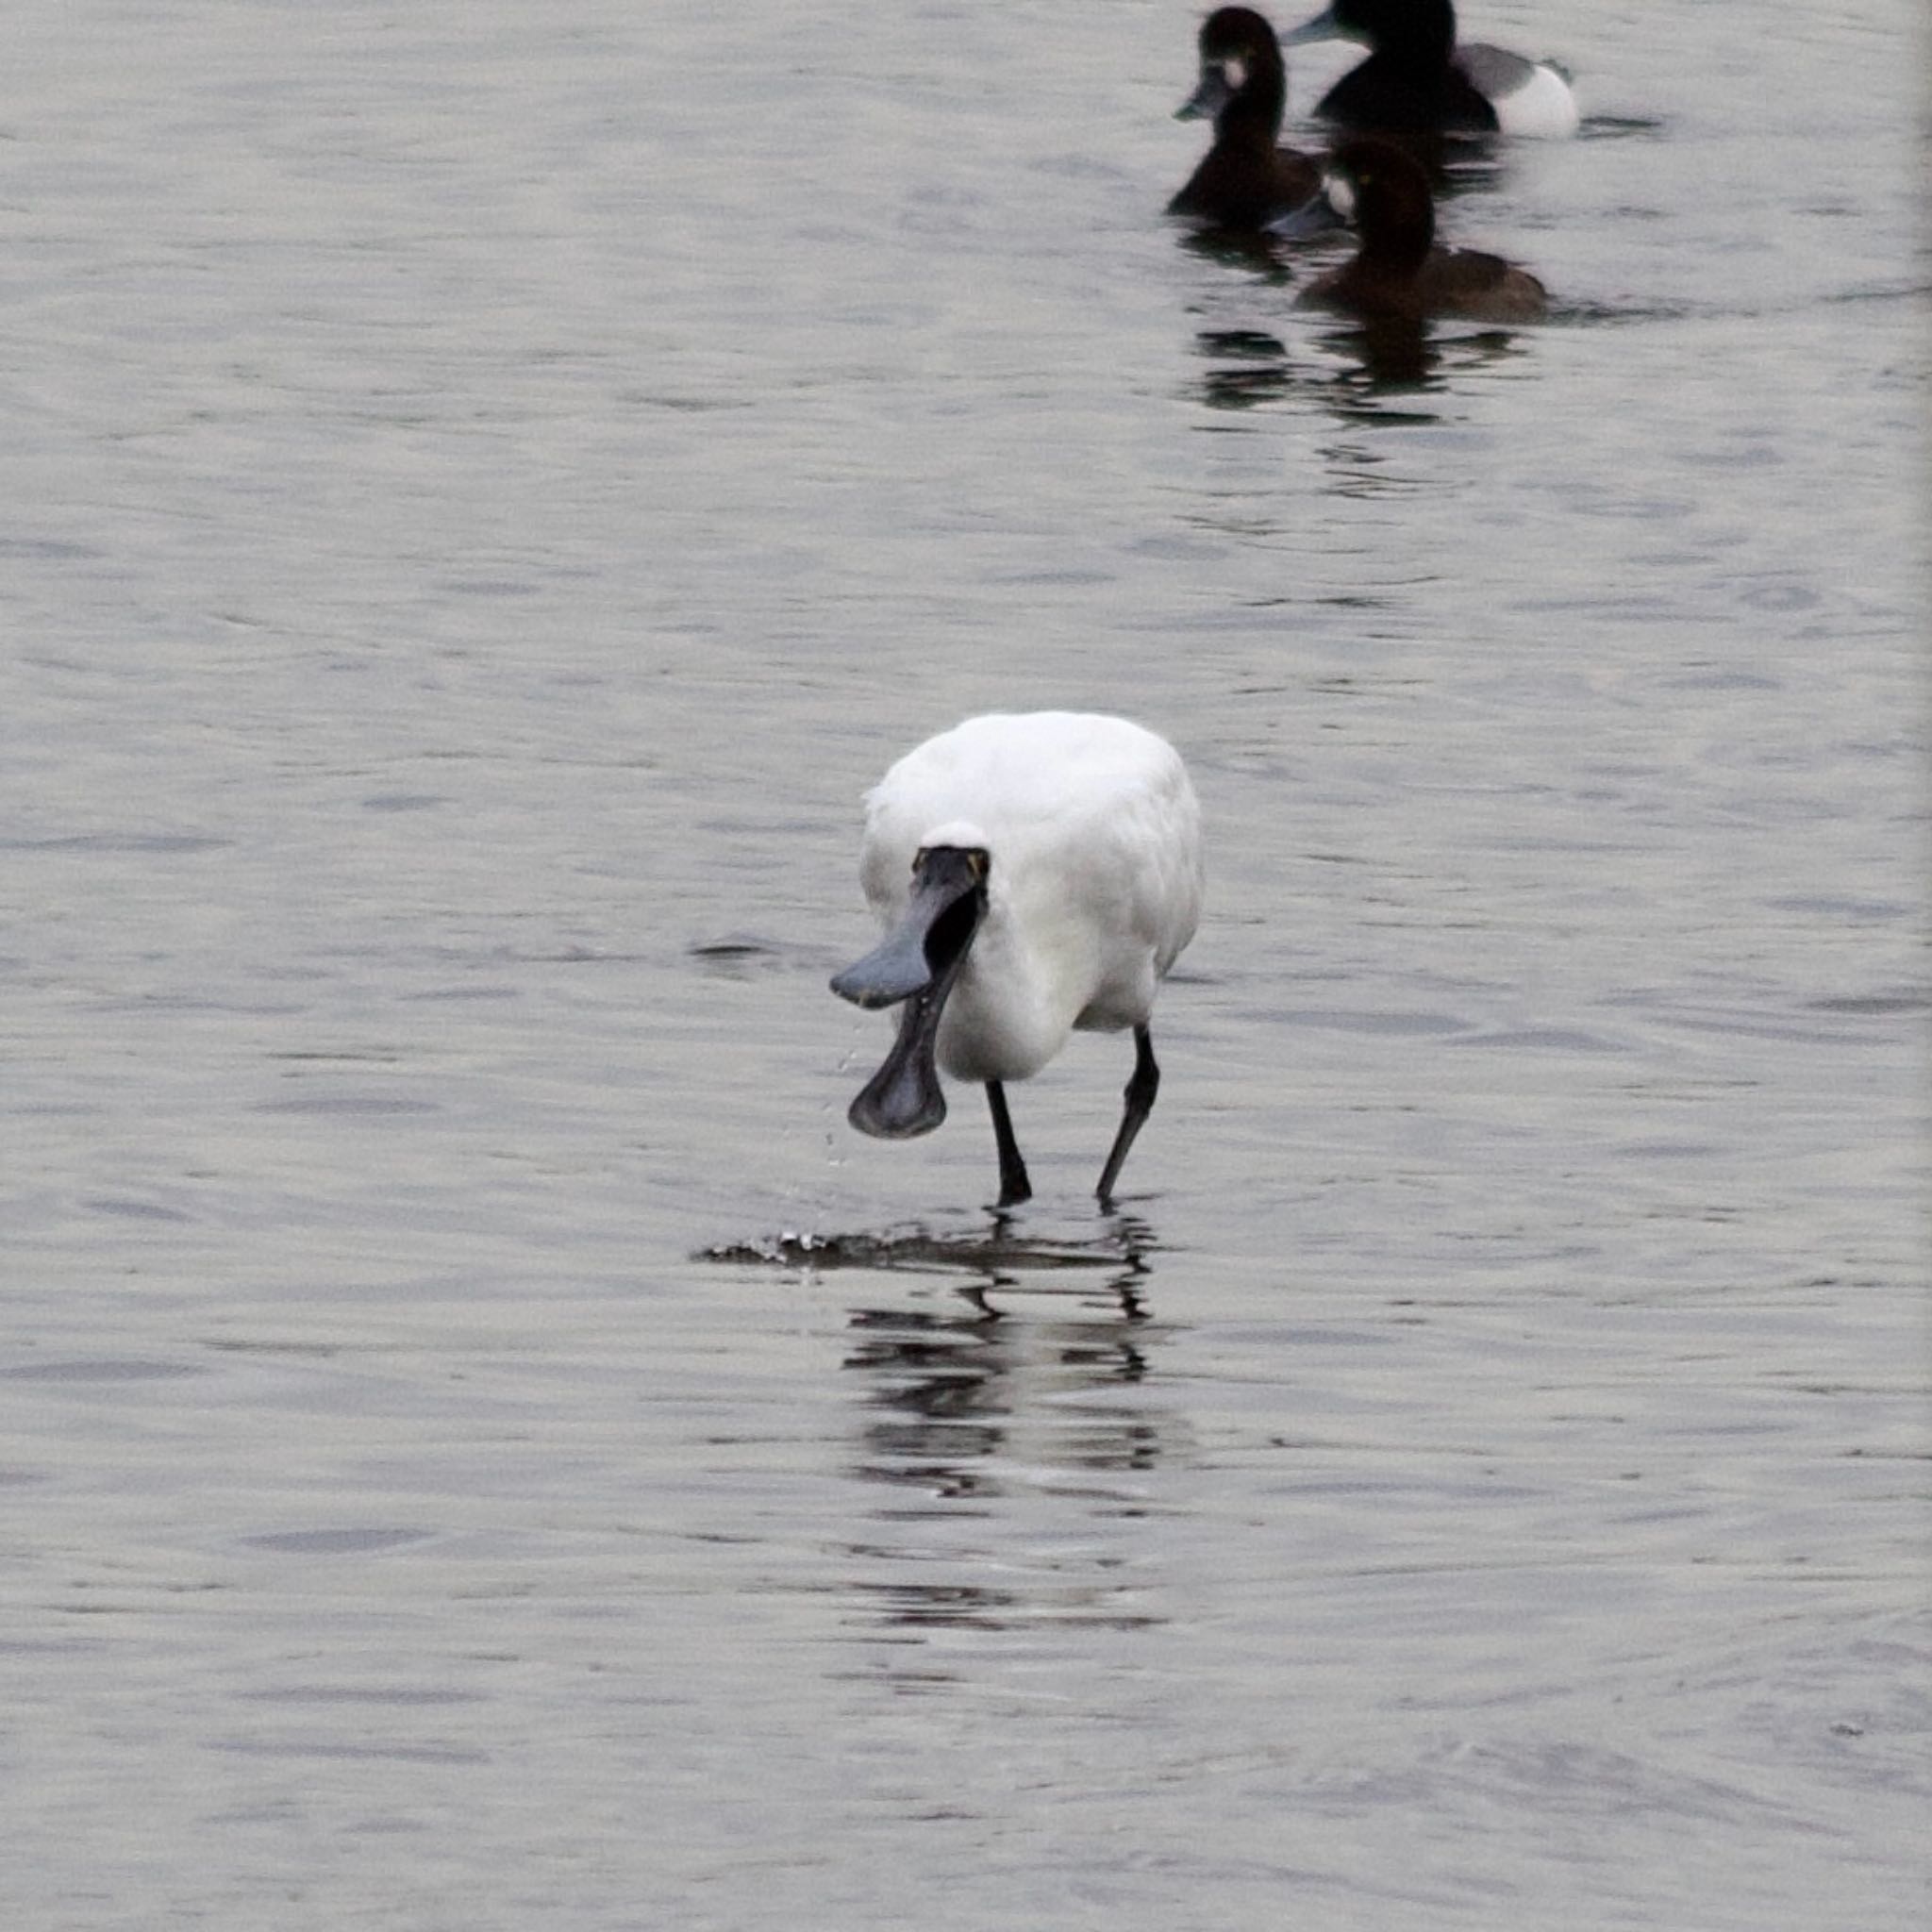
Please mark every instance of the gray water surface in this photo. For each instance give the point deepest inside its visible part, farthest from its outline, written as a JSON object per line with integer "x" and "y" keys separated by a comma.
{"x": 483, "y": 1445}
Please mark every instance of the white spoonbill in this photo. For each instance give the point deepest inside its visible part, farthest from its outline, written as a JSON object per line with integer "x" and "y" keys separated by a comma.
{"x": 1033, "y": 873}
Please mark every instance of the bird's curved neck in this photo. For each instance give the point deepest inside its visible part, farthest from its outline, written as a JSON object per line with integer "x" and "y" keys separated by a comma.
{"x": 1252, "y": 117}
{"x": 1402, "y": 249}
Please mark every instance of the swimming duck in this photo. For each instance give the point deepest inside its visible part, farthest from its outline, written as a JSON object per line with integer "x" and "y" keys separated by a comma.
{"x": 1418, "y": 80}
{"x": 1035, "y": 874}
{"x": 1399, "y": 273}
{"x": 1246, "y": 178}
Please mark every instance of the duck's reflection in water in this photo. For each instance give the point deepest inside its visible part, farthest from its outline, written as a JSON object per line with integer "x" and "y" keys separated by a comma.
{"x": 1382, "y": 368}
{"x": 1007, "y": 1430}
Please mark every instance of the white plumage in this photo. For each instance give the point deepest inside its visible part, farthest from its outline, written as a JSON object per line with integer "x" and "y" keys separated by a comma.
{"x": 1532, "y": 99}
{"x": 1035, "y": 874}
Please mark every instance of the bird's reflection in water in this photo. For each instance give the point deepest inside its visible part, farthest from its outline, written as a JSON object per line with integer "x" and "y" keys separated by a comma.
{"x": 1263, "y": 256}
{"x": 1387, "y": 354}
{"x": 1245, "y": 366}
{"x": 1379, "y": 366}
{"x": 1006, "y": 1427}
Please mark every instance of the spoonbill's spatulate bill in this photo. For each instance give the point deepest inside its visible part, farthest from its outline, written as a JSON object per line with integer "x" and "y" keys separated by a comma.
{"x": 1035, "y": 874}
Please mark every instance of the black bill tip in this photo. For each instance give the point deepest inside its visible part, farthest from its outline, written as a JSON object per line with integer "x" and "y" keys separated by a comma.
{"x": 903, "y": 1099}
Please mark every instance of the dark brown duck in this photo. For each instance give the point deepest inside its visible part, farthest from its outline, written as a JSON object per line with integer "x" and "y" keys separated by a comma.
{"x": 1245, "y": 179}
{"x": 1399, "y": 271}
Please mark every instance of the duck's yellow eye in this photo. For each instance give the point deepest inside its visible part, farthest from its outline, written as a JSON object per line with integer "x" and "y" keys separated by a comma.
{"x": 978, "y": 862}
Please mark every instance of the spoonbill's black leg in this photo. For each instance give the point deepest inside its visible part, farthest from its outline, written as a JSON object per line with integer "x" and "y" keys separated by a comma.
{"x": 1014, "y": 1186}
{"x": 1142, "y": 1085}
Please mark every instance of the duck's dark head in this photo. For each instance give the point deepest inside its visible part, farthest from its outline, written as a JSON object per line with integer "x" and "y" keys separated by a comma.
{"x": 1383, "y": 192}
{"x": 1242, "y": 71}
{"x": 1422, "y": 31}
